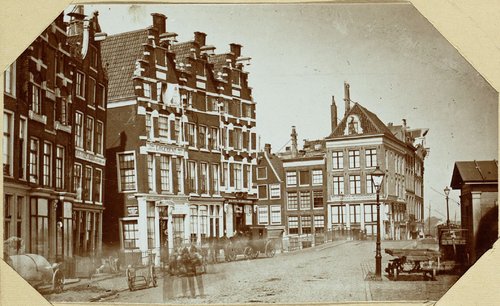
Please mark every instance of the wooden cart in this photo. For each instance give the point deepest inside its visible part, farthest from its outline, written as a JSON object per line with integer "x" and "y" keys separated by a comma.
{"x": 425, "y": 261}
{"x": 142, "y": 275}
{"x": 38, "y": 272}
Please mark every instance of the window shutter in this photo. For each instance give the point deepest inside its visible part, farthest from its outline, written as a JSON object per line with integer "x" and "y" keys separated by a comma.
{"x": 245, "y": 176}
{"x": 254, "y": 141}
{"x": 172, "y": 130}
{"x": 231, "y": 175}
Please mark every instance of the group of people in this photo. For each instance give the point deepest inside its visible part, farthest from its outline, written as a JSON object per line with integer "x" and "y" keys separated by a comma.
{"x": 188, "y": 264}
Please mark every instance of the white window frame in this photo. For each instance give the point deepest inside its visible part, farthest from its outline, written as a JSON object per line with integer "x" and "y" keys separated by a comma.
{"x": 263, "y": 214}
{"x": 338, "y": 185}
{"x": 100, "y": 144}
{"x": 99, "y": 188}
{"x": 205, "y": 167}
{"x": 168, "y": 170}
{"x": 258, "y": 192}
{"x": 205, "y": 140}
{"x": 151, "y": 166}
{"x": 36, "y": 99}
{"x": 274, "y": 209}
{"x": 92, "y": 95}
{"x": 89, "y": 133}
{"x": 47, "y": 167}
{"x": 262, "y": 177}
{"x": 297, "y": 204}
{"x": 76, "y": 184}
{"x": 371, "y": 158}
{"x": 274, "y": 191}
{"x": 10, "y": 80}
{"x": 314, "y": 175}
{"x": 80, "y": 85}
{"x": 79, "y": 130}
{"x": 291, "y": 178}
{"x": 147, "y": 90}
{"x": 337, "y": 160}
{"x": 91, "y": 179}
{"x": 9, "y": 155}
{"x": 355, "y": 184}
{"x": 354, "y": 159}
{"x": 163, "y": 133}
{"x": 215, "y": 178}
{"x": 119, "y": 170}
{"x": 60, "y": 158}
{"x": 23, "y": 126}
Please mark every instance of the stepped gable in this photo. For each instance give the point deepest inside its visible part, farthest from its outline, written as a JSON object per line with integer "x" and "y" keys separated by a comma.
{"x": 119, "y": 55}
{"x": 370, "y": 124}
{"x": 183, "y": 51}
{"x": 219, "y": 62}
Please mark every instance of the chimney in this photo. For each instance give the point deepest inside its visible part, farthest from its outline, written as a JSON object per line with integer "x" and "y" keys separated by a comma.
{"x": 404, "y": 123}
{"x": 333, "y": 110}
{"x": 76, "y": 20}
{"x": 294, "y": 142}
{"x": 347, "y": 98}
{"x": 267, "y": 148}
{"x": 159, "y": 22}
{"x": 235, "y": 49}
{"x": 200, "y": 38}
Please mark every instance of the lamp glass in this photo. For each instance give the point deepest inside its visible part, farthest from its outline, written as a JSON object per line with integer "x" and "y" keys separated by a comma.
{"x": 446, "y": 191}
{"x": 377, "y": 177}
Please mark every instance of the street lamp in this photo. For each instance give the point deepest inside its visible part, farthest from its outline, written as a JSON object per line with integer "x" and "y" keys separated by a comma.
{"x": 447, "y": 192}
{"x": 377, "y": 178}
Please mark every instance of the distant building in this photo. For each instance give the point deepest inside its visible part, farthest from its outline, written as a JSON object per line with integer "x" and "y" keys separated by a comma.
{"x": 478, "y": 185}
{"x": 356, "y": 146}
{"x": 181, "y": 143}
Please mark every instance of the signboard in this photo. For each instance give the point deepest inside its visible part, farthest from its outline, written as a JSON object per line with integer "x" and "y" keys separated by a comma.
{"x": 132, "y": 211}
{"x": 90, "y": 157}
{"x": 239, "y": 201}
{"x": 162, "y": 148}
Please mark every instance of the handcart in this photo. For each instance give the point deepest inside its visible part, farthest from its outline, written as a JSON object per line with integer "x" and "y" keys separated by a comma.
{"x": 425, "y": 261}
{"x": 142, "y": 275}
{"x": 38, "y": 272}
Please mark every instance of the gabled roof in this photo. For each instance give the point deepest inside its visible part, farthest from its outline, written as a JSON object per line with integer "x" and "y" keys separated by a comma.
{"x": 219, "y": 61}
{"x": 182, "y": 51}
{"x": 119, "y": 54}
{"x": 474, "y": 172}
{"x": 275, "y": 163}
{"x": 370, "y": 123}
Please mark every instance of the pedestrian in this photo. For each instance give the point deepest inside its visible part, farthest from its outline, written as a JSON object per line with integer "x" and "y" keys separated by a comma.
{"x": 186, "y": 273}
{"x": 198, "y": 269}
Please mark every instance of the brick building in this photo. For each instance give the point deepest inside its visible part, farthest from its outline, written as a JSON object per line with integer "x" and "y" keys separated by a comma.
{"x": 179, "y": 142}
{"x": 40, "y": 100}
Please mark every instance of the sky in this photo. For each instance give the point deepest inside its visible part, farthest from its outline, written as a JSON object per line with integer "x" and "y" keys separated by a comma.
{"x": 397, "y": 64}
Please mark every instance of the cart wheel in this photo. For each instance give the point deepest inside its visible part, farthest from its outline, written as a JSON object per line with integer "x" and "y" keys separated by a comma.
{"x": 128, "y": 273}
{"x": 154, "y": 277}
{"x": 395, "y": 273}
{"x": 255, "y": 254}
{"x": 231, "y": 255}
{"x": 248, "y": 251}
{"x": 58, "y": 281}
{"x": 270, "y": 250}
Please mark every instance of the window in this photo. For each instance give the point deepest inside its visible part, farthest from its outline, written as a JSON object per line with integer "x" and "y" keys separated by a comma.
{"x": 203, "y": 136}
{"x": 204, "y": 178}
{"x": 130, "y": 234}
{"x": 248, "y": 176}
{"x": 151, "y": 173}
{"x": 79, "y": 130}
{"x": 87, "y": 188}
{"x": 338, "y": 214}
{"x": 98, "y": 185}
{"x": 354, "y": 213}
{"x": 262, "y": 190}
{"x": 214, "y": 138}
{"x": 275, "y": 214}
{"x": 318, "y": 198}
{"x": 263, "y": 215}
{"x": 89, "y": 134}
{"x": 80, "y": 84}
{"x": 99, "y": 138}
{"x": 305, "y": 200}
{"x": 293, "y": 225}
{"x": 338, "y": 160}
{"x": 163, "y": 127}
{"x": 225, "y": 171}
{"x": 304, "y": 178}
{"x": 127, "y": 175}
{"x": 180, "y": 178}
{"x": 102, "y": 96}
{"x": 39, "y": 227}
{"x": 63, "y": 116}
{"x": 370, "y": 187}
{"x": 292, "y": 200}
{"x": 317, "y": 177}
{"x": 92, "y": 56}
{"x": 191, "y": 134}
{"x": 305, "y": 223}
{"x": 353, "y": 159}
{"x": 193, "y": 222}
{"x": 147, "y": 90}
{"x": 151, "y": 224}
{"x": 370, "y": 212}
{"x": 203, "y": 215}
{"x": 224, "y": 137}
{"x": 92, "y": 92}
{"x": 238, "y": 140}
{"x": 192, "y": 176}
{"x": 274, "y": 191}
{"x": 9, "y": 80}
{"x": 23, "y": 127}
{"x": 338, "y": 185}
{"x": 36, "y": 99}
{"x": 177, "y": 130}
{"x": 77, "y": 181}
{"x": 261, "y": 173}
{"x": 291, "y": 178}
{"x": 165, "y": 173}
{"x": 7, "y": 216}
{"x": 34, "y": 147}
{"x": 319, "y": 224}
{"x": 47, "y": 164}
{"x": 355, "y": 184}
{"x": 237, "y": 176}
{"x": 59, "y": 167}
{"x": 215, "y": 179}
{"x": 371, "y": 157}
{"x": 149, "y": 126}
{"x": 8, "y": 143}
{"x": 235, "y": 75}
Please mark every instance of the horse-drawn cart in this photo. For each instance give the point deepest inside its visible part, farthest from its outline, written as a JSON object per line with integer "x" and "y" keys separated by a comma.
{"x": 38, "y": 272}
{"x": 255, "y": 241}
{"x": 425, "y": 261}
{"x": 142, "y": 274}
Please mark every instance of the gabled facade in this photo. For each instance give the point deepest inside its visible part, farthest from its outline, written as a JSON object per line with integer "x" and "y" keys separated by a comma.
{"x": 357, "y": 145}
{"x": 40, "y": 103}
{"x": 270, "y": 180}
{"x": 179, "y": 172}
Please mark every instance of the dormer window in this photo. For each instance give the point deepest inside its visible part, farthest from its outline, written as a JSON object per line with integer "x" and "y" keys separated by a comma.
{"x": 353, "y": 126}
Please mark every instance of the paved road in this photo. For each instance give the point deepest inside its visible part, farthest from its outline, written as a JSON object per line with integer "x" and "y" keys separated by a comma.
{"x": 330, "y": 273}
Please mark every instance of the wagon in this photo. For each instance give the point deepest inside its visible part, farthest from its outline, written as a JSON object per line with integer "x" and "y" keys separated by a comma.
{"x": 142, "y": 275}
{"x": 256, "y": 241}
{"x": 423, "y": 261}
{"x": 38, "y": 272}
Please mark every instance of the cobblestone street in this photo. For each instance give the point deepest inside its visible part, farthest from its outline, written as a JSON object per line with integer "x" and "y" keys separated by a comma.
{"x": 333, "y": 272}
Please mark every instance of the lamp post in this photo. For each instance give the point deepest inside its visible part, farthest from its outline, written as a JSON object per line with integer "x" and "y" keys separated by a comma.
{"x": 447, "y": 192}
{"x": 377, "y": 178}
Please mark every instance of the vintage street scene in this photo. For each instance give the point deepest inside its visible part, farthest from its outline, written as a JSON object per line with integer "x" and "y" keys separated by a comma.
{"x": 245, "y": 153}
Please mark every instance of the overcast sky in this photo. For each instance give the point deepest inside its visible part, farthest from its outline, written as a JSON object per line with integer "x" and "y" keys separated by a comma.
{"x": 397, "y": 63}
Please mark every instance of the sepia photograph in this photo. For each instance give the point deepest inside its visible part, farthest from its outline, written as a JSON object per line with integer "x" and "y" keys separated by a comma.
{"x": 246, "y": 153}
